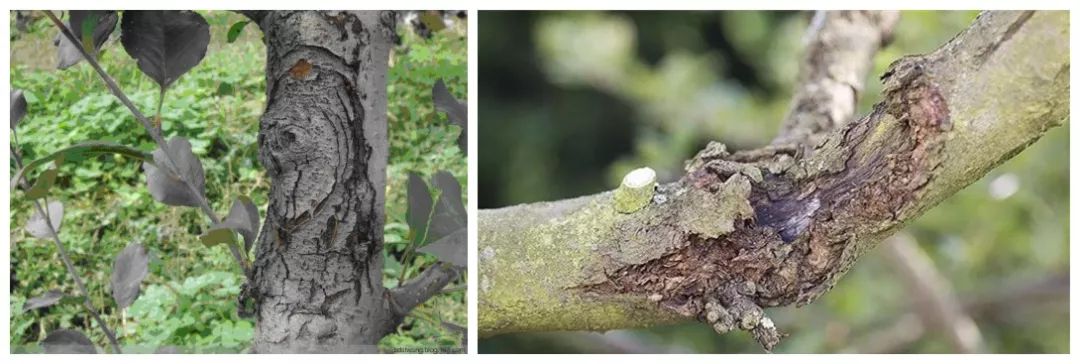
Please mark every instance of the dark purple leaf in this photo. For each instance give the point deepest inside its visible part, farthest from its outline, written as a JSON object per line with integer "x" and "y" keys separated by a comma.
{"x": 452, "y": 248}
{"x": 37, "y": 225}
{"x": 244, "y": 219}
{"x": 68, "y": 342}
{"x": 419, "y": 206}
{"x": 18, "y": 107}
{"x": 447, "y": 229}
{"x": 166, "y": 43}
{"x": 45, "y": 300}
{"x": 103, "y": 23}
{"x": 455, "y": 110}
{"x": 164, "y": 182}
{"x": 129, "y": 270}
{"x": 450, "y": 215}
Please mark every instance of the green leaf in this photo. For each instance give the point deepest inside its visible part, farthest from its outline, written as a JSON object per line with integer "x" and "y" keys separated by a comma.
{"x": 42, "y": 184}
{"x": 216, "y": 236}
{"x": 244, "y": 219}
{"x": 86, "y": 33}
{"x": 236, "y": 29}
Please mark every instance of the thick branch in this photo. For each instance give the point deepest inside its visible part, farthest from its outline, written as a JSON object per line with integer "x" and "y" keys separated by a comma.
{"x": 420, "y": 289}
{"x": 771, "y": 227}
{"x": 840, "y": 48}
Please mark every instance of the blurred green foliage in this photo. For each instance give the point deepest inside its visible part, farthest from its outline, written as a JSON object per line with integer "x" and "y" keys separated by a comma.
{"x": 571, "y": 101}
{"x": 189, "y": 300}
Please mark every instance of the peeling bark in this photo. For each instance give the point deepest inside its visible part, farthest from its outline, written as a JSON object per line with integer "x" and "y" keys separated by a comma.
{"x": 778, "y": 225}
{"x": 317, "y": 280}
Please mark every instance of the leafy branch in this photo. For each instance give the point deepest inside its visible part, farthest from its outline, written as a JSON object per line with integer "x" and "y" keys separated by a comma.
{"x": 443, "y": 223}
{"x": 47, "y": 223}
{"x": 166, "y": 45}
{"x": 177, "y": 186}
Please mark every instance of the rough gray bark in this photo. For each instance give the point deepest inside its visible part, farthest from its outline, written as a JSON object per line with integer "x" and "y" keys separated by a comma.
{"x": 317, "y": 279}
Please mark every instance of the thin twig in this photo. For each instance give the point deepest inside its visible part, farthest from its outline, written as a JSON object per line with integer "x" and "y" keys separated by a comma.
{"x": 936, "y": 302}
{"x": 64, "y": 255}
{"x": 406, "y": 258}
{"x": 906, "y": 330}
{"x": 155, "y": 134}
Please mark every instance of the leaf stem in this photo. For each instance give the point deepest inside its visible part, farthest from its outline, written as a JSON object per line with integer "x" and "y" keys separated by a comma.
{"x": 157, "y": 117}
{"x": 155, "y": 134}
{"x": 411, "y": 248}
{"x": 64, "y": 257}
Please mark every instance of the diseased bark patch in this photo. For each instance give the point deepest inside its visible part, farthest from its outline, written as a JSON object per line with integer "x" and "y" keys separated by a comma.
{"x": 811, "y": 218}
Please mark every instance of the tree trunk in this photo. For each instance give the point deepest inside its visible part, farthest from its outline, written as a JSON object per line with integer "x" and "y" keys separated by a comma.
{"x": 781, "y": 224}
{"x": 317, "y": 279}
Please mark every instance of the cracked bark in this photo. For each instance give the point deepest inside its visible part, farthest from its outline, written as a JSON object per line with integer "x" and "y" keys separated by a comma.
{"x": 780, "y": 225}
{"x": 317, "y": 280}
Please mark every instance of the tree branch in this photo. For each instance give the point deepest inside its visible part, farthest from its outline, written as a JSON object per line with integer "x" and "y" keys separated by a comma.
{"x": 900, "y": 334}
{"x": 935, "y": 300}
{"x": 991, "y": 305}
{"x": 72, "y": 271}
{"x": 840, "y": 49}
{"x": 423, "y": 287}
{"x": 154, "y": 132}
{"x": 771, "y": 227}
